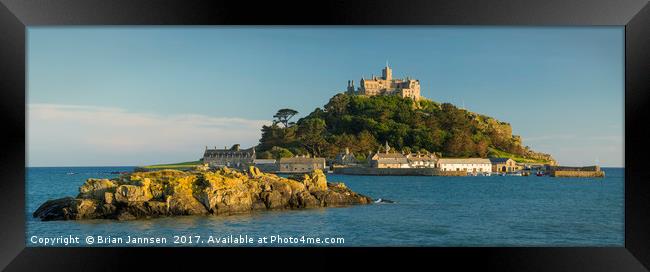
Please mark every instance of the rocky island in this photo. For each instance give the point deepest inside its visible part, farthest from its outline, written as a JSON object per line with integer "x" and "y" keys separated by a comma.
{"x": 196, "y": 192}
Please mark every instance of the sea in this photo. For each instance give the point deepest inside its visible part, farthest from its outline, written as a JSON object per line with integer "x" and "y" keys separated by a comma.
{"x": 493, "y": 211}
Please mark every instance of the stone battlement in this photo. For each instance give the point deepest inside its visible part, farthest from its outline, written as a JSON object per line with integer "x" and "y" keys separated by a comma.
{"x": 386, "y": 85}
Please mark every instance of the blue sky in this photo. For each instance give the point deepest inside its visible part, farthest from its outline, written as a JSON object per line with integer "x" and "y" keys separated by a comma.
{"x": 140, "y": 95}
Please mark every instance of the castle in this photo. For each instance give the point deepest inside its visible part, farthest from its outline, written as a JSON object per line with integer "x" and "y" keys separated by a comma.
{"x": 386, "y": 85}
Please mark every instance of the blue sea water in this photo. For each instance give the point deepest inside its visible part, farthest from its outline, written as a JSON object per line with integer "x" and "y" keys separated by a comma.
{"x": 429, "y": 211}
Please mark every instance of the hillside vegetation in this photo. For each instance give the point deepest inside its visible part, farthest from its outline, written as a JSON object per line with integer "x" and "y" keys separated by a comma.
{"x": 364, "y": 124}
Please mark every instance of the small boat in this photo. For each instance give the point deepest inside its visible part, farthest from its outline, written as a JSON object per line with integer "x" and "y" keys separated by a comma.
{"x": 71, "y": 173}
{"x": 516, "y": 174}
{"x": 539, "y": 174}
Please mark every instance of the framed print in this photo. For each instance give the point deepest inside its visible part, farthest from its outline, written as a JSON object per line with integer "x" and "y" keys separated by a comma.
{"x": 510, "y": 133}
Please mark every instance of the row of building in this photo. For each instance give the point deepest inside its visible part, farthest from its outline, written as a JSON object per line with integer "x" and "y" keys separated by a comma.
{"x": 241, "y": 158}
{"x": 236, "y": 157}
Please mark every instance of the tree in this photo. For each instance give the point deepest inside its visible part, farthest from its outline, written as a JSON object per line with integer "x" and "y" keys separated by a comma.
{"x": 366, "y": 142}
{"x": 460, "y": 144}
{"x": 274, "y": 135}
{"x": 283, "y": 116}
{"x": 279, "y": 152}
{"x": 338, "y": 104}
{"x": 265, "y": 155}
{"x": 311, "y": 134}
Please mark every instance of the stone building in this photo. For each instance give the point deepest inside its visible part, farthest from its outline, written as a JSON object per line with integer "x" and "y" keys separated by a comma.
{"x": 346, "y": 158}
{"x": 503, "y": 165}
{"x": 469, "y": 165}
{"x": 300, "y": 164}
{"x": 266, "y": 165}
{"x": 389, "y": 160}
{"x": 386, "y": 85}
{"x": 230, "y": 157}
{"x": 417, "y": 160}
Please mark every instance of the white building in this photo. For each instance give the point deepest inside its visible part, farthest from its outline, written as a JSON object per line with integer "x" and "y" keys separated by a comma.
{"x": 469, "y": 165}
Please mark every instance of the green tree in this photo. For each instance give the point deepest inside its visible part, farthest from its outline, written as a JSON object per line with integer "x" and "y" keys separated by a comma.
{"x": 459, "y": 145}
{"x": 280, "y": 152}
{"x": 265, "y": 155}
{"x": 311, "y": 134}
{"x": 283, "y": 116}
{"x": 366, "y": 142}
{"x": 274, "y": 135}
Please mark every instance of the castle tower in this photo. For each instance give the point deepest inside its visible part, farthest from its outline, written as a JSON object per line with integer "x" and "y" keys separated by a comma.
{"x": 351, "y": 86}
{"x": 387, "y": 73}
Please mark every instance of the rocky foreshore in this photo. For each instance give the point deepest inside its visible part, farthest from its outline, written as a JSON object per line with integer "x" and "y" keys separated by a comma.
{"x": 197, "y": 192}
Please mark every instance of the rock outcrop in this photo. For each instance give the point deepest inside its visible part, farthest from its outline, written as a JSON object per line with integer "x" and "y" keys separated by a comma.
{"x": 198, "y": 192}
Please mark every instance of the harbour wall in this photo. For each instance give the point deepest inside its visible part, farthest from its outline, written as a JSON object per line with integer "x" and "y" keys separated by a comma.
{"x": 578, "y": 172}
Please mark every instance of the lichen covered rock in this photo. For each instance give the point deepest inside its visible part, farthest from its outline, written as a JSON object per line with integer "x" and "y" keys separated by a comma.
{"x": 68, "y": 208}
{"x": 96, "y": 188}
{"x": 314, "y": 181}
{"x": 197, "y": 192}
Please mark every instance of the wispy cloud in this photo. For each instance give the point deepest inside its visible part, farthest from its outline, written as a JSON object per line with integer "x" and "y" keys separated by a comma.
{"x": 89, "y": 135}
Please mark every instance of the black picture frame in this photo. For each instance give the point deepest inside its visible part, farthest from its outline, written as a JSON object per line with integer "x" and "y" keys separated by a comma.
{"x": 16, "y": 15}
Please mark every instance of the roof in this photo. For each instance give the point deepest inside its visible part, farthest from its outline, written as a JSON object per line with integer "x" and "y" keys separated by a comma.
{"x": 389, "y": 155}
{"x": 499, "y": 160}
{"x": 346, "y": 158}
{"x": 228, "y": 151}
{"x": 302, "y": 160}
{"x": 464, "y": 161}
{"x": 421, "y": 159}
{"x": 263, "y": 161}
{"x": 392, "y": 160}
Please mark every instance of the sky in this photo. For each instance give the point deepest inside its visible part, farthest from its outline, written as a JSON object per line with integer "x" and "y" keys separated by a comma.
{"x": 107, "y": 96}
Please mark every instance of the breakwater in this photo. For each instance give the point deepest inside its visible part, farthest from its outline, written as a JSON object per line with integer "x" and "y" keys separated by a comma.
{"x": 577, "y": 172}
